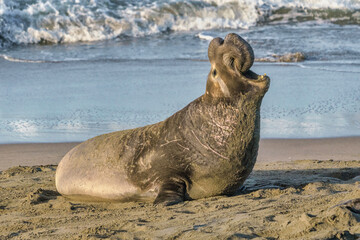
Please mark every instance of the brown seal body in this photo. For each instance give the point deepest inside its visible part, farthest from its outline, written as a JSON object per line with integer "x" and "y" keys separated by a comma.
{"x": 208, "y": 148}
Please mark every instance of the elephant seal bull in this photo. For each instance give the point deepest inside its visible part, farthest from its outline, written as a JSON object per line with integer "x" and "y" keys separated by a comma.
{"x": 208, "y": 148}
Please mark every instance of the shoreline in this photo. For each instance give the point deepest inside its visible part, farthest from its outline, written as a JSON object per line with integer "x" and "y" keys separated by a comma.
{"x": 271, "y": 150}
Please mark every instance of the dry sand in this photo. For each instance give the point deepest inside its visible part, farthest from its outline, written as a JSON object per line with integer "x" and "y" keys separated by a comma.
{"x": 297, "y": 199}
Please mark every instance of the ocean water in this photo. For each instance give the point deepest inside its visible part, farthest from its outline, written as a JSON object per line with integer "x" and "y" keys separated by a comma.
{"x": 74, "y": 69}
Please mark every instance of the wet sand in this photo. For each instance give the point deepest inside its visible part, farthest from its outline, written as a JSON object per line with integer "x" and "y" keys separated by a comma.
{"x": 271, "y": 150}
{"x": 299, "y": 189}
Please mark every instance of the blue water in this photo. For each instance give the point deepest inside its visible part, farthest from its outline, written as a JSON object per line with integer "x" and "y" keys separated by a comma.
{"x": 72, "y": 71}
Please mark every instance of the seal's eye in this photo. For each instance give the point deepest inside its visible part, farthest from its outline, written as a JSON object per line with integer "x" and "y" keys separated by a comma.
{"x": 214, "y": 73}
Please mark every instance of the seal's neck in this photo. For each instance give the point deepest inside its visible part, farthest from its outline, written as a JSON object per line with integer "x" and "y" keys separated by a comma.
{"x": 224, "y": 126}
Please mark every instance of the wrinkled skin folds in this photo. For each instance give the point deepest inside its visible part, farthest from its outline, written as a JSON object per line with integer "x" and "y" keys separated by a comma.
{"x": 208, "y": 148}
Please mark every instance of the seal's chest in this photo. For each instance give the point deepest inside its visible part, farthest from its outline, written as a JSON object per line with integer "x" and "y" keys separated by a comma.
{"x": 217, "y": 180}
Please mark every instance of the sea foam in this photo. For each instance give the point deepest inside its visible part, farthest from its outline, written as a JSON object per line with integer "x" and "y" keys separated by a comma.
{"x": 51, "y": 21}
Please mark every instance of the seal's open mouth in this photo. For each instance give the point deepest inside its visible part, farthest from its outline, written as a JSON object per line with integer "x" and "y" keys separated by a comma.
{"x": 252, "y": 76}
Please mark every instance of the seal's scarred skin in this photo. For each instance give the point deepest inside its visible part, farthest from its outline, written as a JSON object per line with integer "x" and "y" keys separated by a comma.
{"x": 208, "y": 148}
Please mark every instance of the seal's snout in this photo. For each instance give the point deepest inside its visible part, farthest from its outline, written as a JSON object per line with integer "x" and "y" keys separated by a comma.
{"x": 240, "y": 55}
{"x": 233, "y": 51}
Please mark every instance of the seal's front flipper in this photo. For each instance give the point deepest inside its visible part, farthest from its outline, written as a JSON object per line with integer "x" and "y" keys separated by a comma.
{"x": 171, "y": 192}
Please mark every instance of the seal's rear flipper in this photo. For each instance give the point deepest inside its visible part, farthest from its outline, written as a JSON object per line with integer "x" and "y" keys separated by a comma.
{"x": 171, "y": 192}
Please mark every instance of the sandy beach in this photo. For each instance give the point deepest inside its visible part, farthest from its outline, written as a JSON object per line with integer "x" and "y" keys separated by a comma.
{"x": 299, "y": 189}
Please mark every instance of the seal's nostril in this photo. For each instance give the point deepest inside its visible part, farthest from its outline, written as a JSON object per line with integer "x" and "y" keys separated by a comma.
{"x": 232, "y": 62}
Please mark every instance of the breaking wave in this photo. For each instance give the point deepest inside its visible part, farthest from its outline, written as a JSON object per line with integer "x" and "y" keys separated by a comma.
{"x": 53, "y": 21}
{"x": 12, "y": 59}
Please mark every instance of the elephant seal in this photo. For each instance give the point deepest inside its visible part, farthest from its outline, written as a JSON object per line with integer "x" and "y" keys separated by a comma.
{"x": 208, "y": 148}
